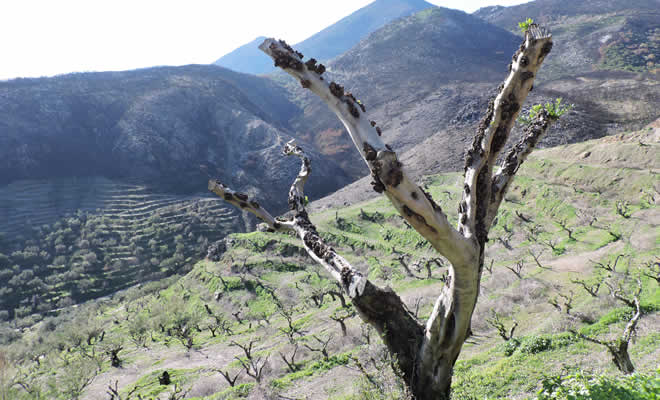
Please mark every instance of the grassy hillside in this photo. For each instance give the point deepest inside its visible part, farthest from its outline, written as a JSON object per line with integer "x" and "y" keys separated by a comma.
{"x": 571, "y": 209}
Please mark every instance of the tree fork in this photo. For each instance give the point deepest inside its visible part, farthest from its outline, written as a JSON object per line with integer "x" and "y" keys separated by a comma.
{"x": 425, "y": 353}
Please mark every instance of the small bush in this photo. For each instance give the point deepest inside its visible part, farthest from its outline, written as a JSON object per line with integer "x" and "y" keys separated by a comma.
{"x": 535, "y": 344}
{"x": 510, "y": 346}
{"x": 581, "y": 386}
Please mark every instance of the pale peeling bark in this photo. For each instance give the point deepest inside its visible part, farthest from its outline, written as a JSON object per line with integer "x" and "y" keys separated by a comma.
{"x": 426, "y": 354}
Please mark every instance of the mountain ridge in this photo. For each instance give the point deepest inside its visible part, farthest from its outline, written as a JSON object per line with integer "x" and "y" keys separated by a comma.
{"x": 331, "y": 41}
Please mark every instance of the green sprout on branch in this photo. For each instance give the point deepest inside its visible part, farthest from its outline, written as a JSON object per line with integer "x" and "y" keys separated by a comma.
{"x": 524, "y": 26}
{"x": 554, "y": 109}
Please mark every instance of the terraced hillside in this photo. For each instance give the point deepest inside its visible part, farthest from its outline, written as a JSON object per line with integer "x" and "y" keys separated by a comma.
{"x": 587, "y": 212}
{"x": 69, "y": 240}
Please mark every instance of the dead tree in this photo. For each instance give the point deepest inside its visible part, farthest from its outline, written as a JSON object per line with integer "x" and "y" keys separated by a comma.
{"x": 426, "y": 353}
{"x": 618, "y": 347}
{"x": 495, "y": 322}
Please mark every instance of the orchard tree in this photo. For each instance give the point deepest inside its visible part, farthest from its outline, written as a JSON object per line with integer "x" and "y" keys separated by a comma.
{"x": 426, "y": 352}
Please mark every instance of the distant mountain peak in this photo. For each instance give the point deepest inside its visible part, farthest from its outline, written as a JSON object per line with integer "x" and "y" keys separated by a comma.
{"x": 331, "y": 41}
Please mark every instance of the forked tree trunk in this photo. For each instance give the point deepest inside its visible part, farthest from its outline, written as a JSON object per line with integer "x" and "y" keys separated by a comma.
{"x": 621, "y": 358}
{"x": 426, "y": 353}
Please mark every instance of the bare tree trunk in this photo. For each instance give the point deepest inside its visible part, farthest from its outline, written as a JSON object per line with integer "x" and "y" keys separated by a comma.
{"x": 621, "y": 358}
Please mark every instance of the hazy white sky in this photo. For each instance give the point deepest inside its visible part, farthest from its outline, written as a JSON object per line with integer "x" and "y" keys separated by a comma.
{"x": 49, "y": 37}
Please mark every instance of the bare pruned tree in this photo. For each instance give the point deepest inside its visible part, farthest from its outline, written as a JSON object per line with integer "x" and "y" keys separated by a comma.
{"x": 565, "y": 304}
{"x": 590, "y": 286}
{"x": 536, "y": 256}
{"x": 618, "y": 347}
{"x": 291, "y": 361}
{"x": 610, "y": 266}
{"x": 113, "y": 392}
{"x": 342, "y": 314}
{"x": 320, "y": 346}
{"x": 425, "y": 352}
{"x": 227, "y": 375}
{"x": 623, "y": 209}
{"x": 253, "y": 365}
{"x": 563, "y": 224}
{"x": 517, "y": 268}
{"x": 653, "y": 270}
{"x": 496, "y": 322}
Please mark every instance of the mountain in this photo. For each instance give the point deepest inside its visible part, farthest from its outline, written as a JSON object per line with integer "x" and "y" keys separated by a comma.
{"x": 248, "y": 59}
{"x": 591, "y": 34}
{"x": 426, "y": 80}
{"x": 331, "y": 41}
{"x": 155, "y": 126}
{"x": 103, "y": 178}
{"x": 414, "y": 75}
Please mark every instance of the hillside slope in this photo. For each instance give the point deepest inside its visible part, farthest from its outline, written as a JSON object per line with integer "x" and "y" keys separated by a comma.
{"x": 578, "y": 186}
{"x": 103, "y": 175}
{"x": 592, "y": 34}
{"x": 426, "y": 81}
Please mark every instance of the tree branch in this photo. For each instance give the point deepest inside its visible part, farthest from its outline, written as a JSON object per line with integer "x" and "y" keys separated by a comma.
{"x": 379, "y": 307}
{"x": 242, "y": 201}
{"x": 494, "y": 131}
{"x": 514, "y": 159}
{"x": 414, "y": 205}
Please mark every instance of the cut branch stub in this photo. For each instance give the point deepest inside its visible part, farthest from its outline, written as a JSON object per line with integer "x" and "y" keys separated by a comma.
{"x": 296, "y": 193}
{"x": 243, "y": 202}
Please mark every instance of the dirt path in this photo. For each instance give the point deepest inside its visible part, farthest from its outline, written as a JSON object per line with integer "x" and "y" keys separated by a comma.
{"x": 582, "y": 262}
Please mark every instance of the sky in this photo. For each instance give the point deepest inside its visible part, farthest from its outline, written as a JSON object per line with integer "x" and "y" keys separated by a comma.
{"x": 51, "y": 37}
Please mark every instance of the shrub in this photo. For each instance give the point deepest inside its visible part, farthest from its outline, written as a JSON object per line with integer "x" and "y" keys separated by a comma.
{"x": 510, "y": 346}
{"x": 535, "y": 344}
{"x": 581, "y": 386}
